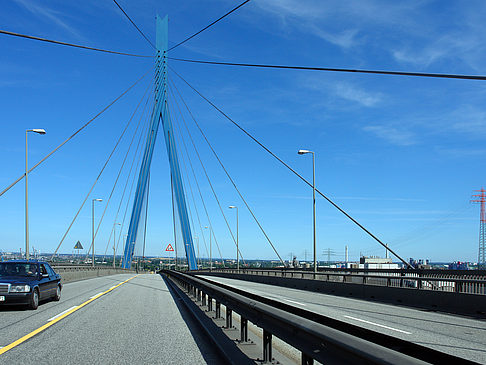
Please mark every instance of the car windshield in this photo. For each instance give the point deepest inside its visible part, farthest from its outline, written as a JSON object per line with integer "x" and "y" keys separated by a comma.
{"x": 17, "y": 269}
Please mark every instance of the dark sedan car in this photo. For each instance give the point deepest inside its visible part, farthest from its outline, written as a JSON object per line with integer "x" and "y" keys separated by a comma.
{"x": 28, "y": 282}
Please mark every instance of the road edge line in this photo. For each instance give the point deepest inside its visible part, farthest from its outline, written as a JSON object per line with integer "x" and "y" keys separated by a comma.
{"x": 49, "y": 324}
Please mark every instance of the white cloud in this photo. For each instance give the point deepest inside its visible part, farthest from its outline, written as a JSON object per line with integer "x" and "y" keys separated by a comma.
{"x": 392, "y": 135}
{"x": 352, "y": 93}
{"x": 48, "y": 14}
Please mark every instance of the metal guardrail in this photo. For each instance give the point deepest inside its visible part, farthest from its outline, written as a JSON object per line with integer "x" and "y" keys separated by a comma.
{"x": 468, "y": 282}
{"x": 305, "y": 332}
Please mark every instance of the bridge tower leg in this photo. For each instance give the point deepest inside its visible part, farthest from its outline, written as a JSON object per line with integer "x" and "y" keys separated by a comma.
{"x": 160, "y": 113}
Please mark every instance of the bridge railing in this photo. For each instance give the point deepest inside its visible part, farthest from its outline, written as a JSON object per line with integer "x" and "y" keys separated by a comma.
{"x": 317, "y": 337}
{"x": 470, "y": 282}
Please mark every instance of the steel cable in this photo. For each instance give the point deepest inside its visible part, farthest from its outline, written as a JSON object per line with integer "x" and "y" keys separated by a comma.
{"x": 71, "y": 137}
{"x": 292, "y": 170}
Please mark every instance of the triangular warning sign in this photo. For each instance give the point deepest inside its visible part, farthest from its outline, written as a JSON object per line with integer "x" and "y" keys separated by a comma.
{"x": 78, "y": 246}
{"x": 169, "y": 248}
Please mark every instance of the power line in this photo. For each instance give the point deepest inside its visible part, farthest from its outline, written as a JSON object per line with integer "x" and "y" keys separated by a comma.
{"x": 70, "y": 44}
{"x": 72, "y": 136}
{"x": 206, "y": 27}
{"x": 135, "y": 25}
{"x": 291, "y": 169}
{"x": 330, "y": 69}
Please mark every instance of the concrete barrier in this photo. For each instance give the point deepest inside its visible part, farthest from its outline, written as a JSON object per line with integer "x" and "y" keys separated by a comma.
{"x": 458, "y": 303}
{"x": 76, "y": 273}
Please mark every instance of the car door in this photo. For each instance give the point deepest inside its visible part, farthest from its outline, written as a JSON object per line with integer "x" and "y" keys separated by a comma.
{"x": 55, "y": 278}
{"x": 45, "y": 284}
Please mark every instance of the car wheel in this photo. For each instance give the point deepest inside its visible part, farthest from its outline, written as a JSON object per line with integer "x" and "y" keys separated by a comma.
{"x": 34, "y": 299}
{"x": 57, "y": 297}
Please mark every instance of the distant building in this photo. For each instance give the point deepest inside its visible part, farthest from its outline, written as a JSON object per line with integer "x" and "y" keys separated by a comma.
{"x": 374, "y": 262}
{"x": 458, "y": 265}
{"x": 420, "y": 263}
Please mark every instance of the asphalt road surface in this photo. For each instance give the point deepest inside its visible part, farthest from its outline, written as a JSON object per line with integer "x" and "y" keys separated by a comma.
{"x": 456, "y": 335}
{"x": 137, "y": 322}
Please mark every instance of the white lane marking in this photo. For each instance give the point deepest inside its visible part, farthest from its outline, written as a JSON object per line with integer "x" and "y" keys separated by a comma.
{"x": 293, "y": 301}
{"x": 95, "y": 296}
{"x": 60, "y": 314}
{"x": 379, "y": 325}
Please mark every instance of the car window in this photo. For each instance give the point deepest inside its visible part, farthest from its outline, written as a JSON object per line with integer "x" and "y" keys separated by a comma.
{"x": 17, "y": 269}
{"x": 43, "y": 270}
{"x": 50, "y": 271}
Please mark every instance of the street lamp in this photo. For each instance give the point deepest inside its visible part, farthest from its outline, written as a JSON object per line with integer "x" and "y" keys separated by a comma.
{"x": 198, "y": 257}
{"x": 38, "y": 131}
{"x": 114, "y": 241}
{"x": 210, "y": 252}
{"x": 93, "y": 230}
{"x": 237, "y": 248}
{"x": 303, "y": 152}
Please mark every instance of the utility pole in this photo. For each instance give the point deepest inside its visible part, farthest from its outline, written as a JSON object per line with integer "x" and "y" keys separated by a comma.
{"x": 481, "y": 199}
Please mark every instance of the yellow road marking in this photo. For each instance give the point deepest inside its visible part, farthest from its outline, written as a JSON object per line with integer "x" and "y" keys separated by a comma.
{"x": 49, "y": 324}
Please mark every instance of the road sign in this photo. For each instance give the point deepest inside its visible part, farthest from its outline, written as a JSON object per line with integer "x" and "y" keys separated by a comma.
{"x": 169, "y": 248}
{"x": 78, "y": 246}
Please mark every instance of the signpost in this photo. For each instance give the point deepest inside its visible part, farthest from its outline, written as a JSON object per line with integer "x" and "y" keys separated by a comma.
{"x": 169, "y": 248}
{"x": 78, "y": 246}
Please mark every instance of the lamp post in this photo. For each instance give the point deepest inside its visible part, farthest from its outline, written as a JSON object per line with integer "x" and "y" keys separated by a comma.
{"x": 198, "y": 257}
{"x": 303, "y": 152}
{"x": 237, "y": 248}
{"x": 38, "y": 131}
{"x": 210, "y": 252}
{"x": 114, "y": 242}
{"x": 92, "y": 228}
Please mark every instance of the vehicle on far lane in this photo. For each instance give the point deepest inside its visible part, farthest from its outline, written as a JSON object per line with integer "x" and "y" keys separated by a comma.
{"x": 28, "y": 282}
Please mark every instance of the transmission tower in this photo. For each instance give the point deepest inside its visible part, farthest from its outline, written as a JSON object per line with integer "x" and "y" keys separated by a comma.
{"x": 481, "y": 198}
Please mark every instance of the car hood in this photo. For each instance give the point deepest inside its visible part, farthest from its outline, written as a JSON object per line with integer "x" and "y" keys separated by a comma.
{"x": 17, "y": 280}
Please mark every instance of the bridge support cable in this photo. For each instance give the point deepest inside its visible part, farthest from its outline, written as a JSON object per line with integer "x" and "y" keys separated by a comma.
{"x": 194, "y": 201}
{"x": 188, "y": 184}
{"x": 209, "y": 25}
{"x": 98, "y": 177}
{"x": 135, "y": 25}
{"x": 72, "y": 136}
{"x": 70, "y": 44}
{"x": 181, "y": 138}
{"x": 138, "y": 164}
{"x": 202, "y": 165}
{"x": 123, "y": 163}
{"x": 293, "y": 171}
{"x": 160, "y": 116}
{"x": 227, "y": 174}
{"x": 181, "y": 135}
{"x": 347, "y": 70}
{"x": 209, "y": 220}
{"x": 143, "y": 132}
{"x": 214, "y": 194}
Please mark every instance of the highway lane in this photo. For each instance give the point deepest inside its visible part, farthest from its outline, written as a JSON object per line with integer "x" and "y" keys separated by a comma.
{"x": 137, "y": 322}
{"x": 459, "y": 336}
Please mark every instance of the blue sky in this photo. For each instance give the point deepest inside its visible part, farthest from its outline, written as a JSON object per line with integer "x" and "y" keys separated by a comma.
{"x": 401, "y": 155}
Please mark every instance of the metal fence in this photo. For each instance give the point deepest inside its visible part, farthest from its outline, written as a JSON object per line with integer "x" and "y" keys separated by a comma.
{"x": 470, "y": 282}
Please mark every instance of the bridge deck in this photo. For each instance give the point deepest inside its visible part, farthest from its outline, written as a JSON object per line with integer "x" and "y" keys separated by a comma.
{"x": 456, "y": 335}
{"x": 137, "y": 322}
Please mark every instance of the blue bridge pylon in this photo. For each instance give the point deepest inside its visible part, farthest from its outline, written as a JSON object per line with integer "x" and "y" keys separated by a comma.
{"x": 160, "y": 115}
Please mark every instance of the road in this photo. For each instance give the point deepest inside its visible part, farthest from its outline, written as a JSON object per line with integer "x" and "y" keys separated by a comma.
{"x": 136, "y": 322}
{"x": 456, "y": 335}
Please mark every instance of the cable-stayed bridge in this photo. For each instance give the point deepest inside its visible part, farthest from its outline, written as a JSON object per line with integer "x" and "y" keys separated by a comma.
{"x": 229, "y": 315}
